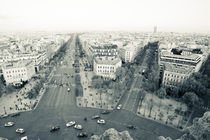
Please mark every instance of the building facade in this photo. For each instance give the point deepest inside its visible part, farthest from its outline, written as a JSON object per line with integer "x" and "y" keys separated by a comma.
{"x": 17, "y": 72}
{"x": 174, "y": 76}
{"x": 106, "y": 66}
{"x": 105, "y": 50}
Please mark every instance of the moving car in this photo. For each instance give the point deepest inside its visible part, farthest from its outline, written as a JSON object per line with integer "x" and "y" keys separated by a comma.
{"x": 101, "y": 121}
{"x": 119, "y": 106}
{"x": 95, "y": 117}
{"x": 131, "y": 127}
{"x": 82, "y": 134}
{"x": 105, "y": 112}
{"x": 9, "y": 124}
{"x": 77, "y": 126}
{"x": 54, "y": 128}
{"x": 20, "y": 130}
{"x": 24, "y": 138}
{"x": 71, "y": 123}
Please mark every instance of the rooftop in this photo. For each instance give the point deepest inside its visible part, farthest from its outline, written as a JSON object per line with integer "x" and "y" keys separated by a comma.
{"x": 17, "y": 64}
{"x": 192, "y": 57}
{"x": 107, "y": 60}
{"x": 105, "y": 47}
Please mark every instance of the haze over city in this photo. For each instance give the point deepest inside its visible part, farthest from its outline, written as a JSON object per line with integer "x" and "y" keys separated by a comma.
{"x": 79, "y": 15}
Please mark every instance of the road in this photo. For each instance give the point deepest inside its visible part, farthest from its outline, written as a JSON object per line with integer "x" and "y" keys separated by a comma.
{"x": 58, "y": 106}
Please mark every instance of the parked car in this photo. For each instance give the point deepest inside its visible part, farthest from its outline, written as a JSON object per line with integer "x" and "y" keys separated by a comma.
{"x": 24, "y": 138}
{"x": 20, "y": 130}
{"x": 82, "y": 134}
{"x": 105, "y": 112}
{"x": 101, "y": 121}
{"x": 77, "y": 126}
{"x": 71, "y": 123}
{"x": 131, "y": 127}
{"x": 54, "y": 128}
{"x": 119, "y": 106}
{"x": 95, "y": 117}
{"x": 9, "y": 124}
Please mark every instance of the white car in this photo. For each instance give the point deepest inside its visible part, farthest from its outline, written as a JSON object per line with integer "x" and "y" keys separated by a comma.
{"x": 9, "y": 124}
{"x": 77, "y": 126}
{"x": 71, "y": 123}
{"x": 68, "y": 89}
{"x": 119, "y": 106}
{"x": 20, "y": 130}
{"x": 24, "y": 138}
{"x": 101, "y": 121}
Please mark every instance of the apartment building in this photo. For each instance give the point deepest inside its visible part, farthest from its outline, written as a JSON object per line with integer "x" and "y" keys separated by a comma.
{"x": 178, "y": 66}
{"x": 190, "y": 60}
{"x": 18, "y": 71}
{"x": 175, "y": 75}
{"x": 106, "y": 66}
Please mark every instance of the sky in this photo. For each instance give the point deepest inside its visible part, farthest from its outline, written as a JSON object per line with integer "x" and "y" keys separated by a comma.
{"x": 88, "y": 15}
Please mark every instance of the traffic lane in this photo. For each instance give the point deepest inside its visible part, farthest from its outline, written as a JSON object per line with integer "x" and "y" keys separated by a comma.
{"x": 143, "y": 124}
{"x": 131, "y": 103}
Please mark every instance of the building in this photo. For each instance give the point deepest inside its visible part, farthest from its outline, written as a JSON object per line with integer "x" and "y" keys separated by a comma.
{"x": 175, "y": 75}
{"x": 106, "y": 66}
{"x": 105, "y": 50}
{"x": 190, "y": 60}
{"x": 129, "y": 52}
{"x": 155, "y": 29}
{"x": 178, "y": 65}
{"x": 17, "y": 72}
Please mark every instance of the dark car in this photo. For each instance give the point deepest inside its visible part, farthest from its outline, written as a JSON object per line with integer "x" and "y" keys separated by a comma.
{"x": 54, "y": 128}
{"x": 105, "y": 112}
{"x": 15, "y": 115}
{"x": 95, "y": 117}
{"x": 82, "y": 134}
{"x": 131, "y": 127}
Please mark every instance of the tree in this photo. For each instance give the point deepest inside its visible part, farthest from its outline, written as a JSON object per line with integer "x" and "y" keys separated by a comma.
{"x": 199, "y": 130}
{"x": 190, "y": 98}
{"x": 120, "y": 73}
{"x": 161, "y": 92}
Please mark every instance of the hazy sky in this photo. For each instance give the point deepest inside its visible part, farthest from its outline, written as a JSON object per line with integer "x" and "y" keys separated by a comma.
{"x": 140, "y": 15}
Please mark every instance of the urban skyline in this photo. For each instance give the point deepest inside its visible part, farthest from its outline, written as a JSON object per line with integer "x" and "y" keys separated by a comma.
{"x": 77, "y": 15}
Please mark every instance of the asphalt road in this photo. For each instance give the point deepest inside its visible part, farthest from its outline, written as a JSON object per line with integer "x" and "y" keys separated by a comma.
{"x": 58, "y": 106}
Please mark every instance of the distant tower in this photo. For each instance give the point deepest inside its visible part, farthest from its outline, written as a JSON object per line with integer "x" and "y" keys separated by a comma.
{"x": 155, "y": 29}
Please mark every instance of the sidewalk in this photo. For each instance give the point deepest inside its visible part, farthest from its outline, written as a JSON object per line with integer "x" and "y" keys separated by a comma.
{"x": 18, "y": 102}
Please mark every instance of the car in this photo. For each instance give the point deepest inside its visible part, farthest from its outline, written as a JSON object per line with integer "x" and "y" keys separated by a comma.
{"x": 9, "y": 124}
{"x": 82, "y": 134}
{"x": 119, "y": 106}
{"x": 20, "y": 130}
{"x": 95, "y": 117}
{"x": 131, "y": 127}
{"x": 4, "y": 116}
{"x": 68, "y": 89}
{"x": 24, "y": 138}
{"x": 15, "y": 115}
{"x": 105, "y": 112}
{"x": 101, "y": 121}
{"x": 71, "y": 123}
{"x": 78, "y": 126}
{"x": 54, "y": 128}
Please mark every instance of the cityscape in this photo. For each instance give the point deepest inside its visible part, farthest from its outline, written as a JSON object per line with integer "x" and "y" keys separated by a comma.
{"x": 65, "y": 77}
